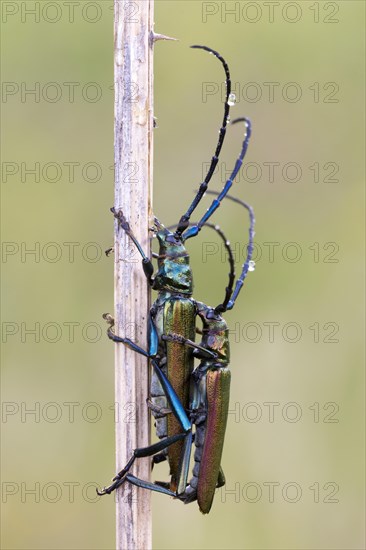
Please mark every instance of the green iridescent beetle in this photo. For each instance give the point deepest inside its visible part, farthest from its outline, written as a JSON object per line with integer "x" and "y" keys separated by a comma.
{"x": 184, "y": 399}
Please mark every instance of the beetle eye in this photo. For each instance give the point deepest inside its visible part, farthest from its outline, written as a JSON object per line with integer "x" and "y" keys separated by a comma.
{"x": 211, "y": 314}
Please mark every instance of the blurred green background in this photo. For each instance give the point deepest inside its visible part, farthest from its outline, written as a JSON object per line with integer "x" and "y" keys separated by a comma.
{"x": 293, "y": 456}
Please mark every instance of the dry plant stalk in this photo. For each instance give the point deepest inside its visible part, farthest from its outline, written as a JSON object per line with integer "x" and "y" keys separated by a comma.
{"x": 133, "y": 76}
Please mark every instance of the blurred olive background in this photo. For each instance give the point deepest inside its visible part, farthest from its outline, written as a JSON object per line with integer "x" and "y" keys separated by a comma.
{"x": 293, "y": 456}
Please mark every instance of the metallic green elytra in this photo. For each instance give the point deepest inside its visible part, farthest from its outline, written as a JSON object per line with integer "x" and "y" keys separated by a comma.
{"x": 179, "y": 318}
{"x": 217, "y": 393}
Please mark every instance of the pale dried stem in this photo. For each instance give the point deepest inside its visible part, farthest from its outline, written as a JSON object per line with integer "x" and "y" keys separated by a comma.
{"x": 133, "y": 73}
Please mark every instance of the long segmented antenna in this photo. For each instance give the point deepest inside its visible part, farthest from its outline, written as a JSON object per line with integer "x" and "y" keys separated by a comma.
{"x": 229, "y": 288}
{"x": 193, "y": 231}
{"x": 248, "y": 265}
{"x": 184, "y": 221}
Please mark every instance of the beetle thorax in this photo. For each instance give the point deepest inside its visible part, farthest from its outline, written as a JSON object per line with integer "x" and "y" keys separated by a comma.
{"x": 174, "y": 272}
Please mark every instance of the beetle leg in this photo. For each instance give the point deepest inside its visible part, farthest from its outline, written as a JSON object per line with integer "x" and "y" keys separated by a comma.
{"x": 159, "y": 411}
{"x": 127, "y": 342}
{"x": 153, "y": 337}
{"x": 149, "y": 485}
{"x": 172, "y": 337}
{"x": 119, "y": 339}
{"x": 186, "y": 435}
{"x": 146, "y": 262}
{"x": 122, "y": 475}
{"x": 161, "y": 457}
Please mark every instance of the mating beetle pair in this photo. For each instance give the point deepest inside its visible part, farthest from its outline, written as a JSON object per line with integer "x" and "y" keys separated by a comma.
{"x": 182, "y": 397}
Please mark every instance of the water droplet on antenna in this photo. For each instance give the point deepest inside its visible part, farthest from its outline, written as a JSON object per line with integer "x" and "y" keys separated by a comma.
{"x": 231, "y": 99}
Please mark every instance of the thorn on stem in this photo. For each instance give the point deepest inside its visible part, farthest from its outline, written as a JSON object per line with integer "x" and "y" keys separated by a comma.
{"x": 154, "y": 37}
